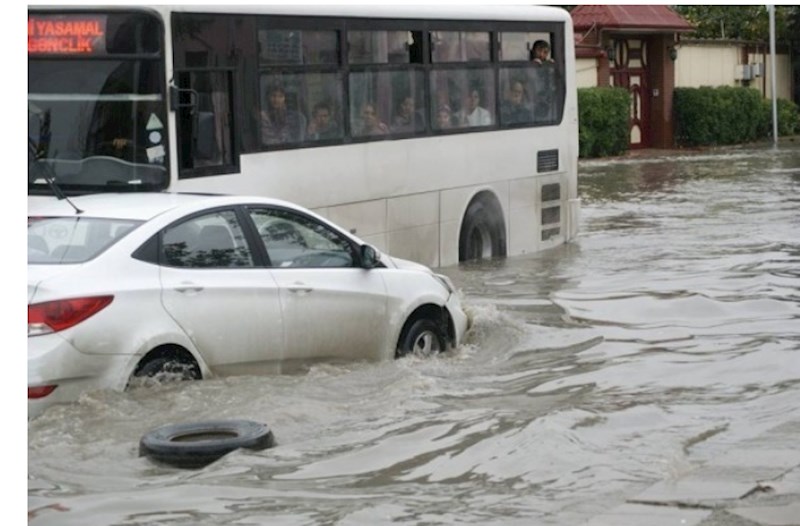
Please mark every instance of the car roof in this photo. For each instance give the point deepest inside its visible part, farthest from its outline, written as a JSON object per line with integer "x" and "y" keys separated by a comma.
{"x": 136, "y": 206}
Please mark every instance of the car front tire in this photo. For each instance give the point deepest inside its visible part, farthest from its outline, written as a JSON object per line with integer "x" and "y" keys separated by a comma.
{"x": 424, "y": 337}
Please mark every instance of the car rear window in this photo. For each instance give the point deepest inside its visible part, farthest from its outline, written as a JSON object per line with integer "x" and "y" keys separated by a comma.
{"x": 68, "y": 240}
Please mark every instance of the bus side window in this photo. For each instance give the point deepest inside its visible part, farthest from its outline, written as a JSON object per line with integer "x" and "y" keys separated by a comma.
{"x": 205, "y": 125}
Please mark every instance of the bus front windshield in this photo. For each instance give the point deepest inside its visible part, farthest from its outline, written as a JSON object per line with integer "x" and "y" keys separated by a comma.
{"x": 96, "y": 104}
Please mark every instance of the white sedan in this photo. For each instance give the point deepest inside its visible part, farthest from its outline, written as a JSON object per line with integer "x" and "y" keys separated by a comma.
{"x": 129, "y": 286}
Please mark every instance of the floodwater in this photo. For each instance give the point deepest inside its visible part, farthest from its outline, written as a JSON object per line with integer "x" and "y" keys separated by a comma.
{"x": 667, "y": 332}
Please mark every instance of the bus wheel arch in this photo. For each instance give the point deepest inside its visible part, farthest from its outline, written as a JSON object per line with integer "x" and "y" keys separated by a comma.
{"x": 483, "y": 229}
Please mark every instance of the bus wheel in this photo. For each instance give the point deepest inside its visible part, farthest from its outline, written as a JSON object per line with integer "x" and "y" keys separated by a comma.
{"x": 482, "y": 233}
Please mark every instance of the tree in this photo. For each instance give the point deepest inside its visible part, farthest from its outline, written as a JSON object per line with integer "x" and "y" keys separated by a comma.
{"x": 742, "y": 22}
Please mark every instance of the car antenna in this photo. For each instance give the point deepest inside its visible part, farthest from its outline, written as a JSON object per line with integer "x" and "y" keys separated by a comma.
{"x": 50, "y": 177}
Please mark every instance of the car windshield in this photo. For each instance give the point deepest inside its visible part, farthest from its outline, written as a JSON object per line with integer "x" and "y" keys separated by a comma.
{"x": 69, "y": 240}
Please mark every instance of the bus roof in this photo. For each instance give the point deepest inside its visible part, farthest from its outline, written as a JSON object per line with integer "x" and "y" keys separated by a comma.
{"x": 429, "y": 12}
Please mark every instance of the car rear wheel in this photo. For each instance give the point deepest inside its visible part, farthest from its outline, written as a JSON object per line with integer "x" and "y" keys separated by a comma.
{"x": 197, "y": 444}
{"x": 424, "y": 337}
{"x": 166, "y": 368}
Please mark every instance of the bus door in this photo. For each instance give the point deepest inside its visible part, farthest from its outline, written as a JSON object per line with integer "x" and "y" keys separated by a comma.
{"x": 205, "y": 122}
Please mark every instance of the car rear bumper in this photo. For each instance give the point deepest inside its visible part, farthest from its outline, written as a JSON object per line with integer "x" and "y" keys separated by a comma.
{"x": 52, "y": 360}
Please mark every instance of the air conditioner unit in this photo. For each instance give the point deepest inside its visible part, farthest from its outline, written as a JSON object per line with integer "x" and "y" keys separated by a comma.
{"x": 757, "y": 69}
{"x": 743, "y": 72}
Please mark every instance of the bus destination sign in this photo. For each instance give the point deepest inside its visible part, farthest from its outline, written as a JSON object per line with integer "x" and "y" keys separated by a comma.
{"x": 66, "y": 35}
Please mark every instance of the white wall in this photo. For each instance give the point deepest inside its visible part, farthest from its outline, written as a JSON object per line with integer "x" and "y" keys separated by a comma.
{"x": 715, "y": 64}
{"x": 710, "y": 64}
{"x": 586, "y": 72}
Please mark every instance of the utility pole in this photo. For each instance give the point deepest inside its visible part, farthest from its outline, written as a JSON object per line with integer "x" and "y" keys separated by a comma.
{"x": 773, "y": 74}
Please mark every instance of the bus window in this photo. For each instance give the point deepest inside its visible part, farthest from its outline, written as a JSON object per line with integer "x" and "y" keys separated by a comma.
{"x": 518, "y": 46}
{"x": 384, "y": 47}
{"x": 288, "y": 108}
{"x": 468, "y": 92}
{"x": 460, "y": 46}
{"x": 299, "y": 47}
{"x": 395, "y": 97}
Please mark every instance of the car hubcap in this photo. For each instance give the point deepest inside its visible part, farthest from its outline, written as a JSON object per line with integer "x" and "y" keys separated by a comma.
{"x": 427, "y": 343}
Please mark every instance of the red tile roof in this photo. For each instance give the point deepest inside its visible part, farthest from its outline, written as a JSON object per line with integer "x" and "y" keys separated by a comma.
{"x": 650, "y": 17}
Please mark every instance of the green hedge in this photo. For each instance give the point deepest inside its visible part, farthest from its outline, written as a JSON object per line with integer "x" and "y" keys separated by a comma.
{"x": 788, "y": 118}
{"x": 604, "y": 115}
{"x": 727, "y": 115}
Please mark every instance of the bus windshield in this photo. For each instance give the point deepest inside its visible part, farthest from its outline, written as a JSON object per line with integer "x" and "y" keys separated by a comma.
{"x": 96, "y": 103}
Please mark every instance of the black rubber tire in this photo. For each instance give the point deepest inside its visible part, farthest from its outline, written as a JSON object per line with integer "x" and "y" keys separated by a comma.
{"x": 182, "y": 368}
{"x": 197, "y": 444}
{"x": 481, "y": 236}
{"x": 424, "y": 337}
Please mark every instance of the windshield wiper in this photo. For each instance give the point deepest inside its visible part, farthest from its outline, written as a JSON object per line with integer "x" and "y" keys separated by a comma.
{"x": 49, "y": 174}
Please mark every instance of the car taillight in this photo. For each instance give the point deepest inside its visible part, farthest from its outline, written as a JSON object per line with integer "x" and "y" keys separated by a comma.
{"x": 40, "y": 391}
{"x": 54, "y": 316}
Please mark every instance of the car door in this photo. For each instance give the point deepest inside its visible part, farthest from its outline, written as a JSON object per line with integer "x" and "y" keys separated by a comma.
{"x": 332, "y": 308}
{"x": 226, "y": 304}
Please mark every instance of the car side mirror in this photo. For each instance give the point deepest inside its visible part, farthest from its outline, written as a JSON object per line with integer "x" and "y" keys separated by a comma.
{"x": 369, "y": 257}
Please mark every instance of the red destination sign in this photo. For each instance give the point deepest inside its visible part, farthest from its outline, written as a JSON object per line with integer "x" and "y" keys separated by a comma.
{"x": 66, "y": 35}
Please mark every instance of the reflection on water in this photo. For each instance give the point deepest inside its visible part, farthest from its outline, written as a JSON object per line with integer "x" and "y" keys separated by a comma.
{"x": 667, "y": 332}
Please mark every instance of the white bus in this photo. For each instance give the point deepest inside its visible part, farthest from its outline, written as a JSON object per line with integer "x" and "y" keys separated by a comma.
{"x": 430, "y": 132}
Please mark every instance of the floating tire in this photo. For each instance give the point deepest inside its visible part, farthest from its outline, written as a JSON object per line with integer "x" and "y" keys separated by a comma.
{"x": 197, "y": 444}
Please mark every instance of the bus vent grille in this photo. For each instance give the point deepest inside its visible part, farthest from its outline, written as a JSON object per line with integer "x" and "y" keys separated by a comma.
{"x": 551, "y": 192}
{"x": 547, "y": 161}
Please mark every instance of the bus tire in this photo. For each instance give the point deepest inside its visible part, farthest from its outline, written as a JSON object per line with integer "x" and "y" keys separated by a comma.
{"x": 424, "y": 337}
{"x": 481, "y": 233}
{"x": 197, "y": 444}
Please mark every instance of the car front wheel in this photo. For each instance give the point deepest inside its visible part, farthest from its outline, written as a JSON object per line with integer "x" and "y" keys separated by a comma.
{"x": 424, "y": 337}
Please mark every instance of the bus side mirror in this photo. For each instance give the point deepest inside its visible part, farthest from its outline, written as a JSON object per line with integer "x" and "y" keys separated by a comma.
{"x": 369, "y": 257}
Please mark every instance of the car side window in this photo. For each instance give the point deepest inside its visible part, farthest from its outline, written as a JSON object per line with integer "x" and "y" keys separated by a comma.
{"x": 296, "y": 241}
{"x": 214, "y": 240}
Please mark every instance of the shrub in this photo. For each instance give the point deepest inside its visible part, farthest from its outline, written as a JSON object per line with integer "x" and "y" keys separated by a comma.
{"x": 603, "y": 121}
{"x": 725, "y": 115}
{"x": 788, "y": 118}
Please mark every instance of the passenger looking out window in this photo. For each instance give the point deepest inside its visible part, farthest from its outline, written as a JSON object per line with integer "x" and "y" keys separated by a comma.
{"x": 473, "y": 114}
{"x": 371, "y": 124}
{"x": 407, "y": 119}
{"x": 278, "y": 123}
{"x": 444, "y": 118}
{"x": 541, "y": 52}
{"x": 515, "y": 108}
{"x": 323, "y": 125}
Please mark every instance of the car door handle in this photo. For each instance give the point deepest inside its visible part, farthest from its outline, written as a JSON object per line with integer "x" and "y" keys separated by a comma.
{"x": 300, "y": 288}
{"x": 189, "y": 289}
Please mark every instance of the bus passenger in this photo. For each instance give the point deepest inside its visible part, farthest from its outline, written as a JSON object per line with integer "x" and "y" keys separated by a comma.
{"x": 322, "y": 125}
{"x": 407, "y": 119}
{"x": 514, "y": 109}
{"x": 472, "y": 114}
{"x": 371, "y": 124}
{"x": 444, "y": 118}
{"x": 541, "y": 50}
{"x": 278, "y": 123}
